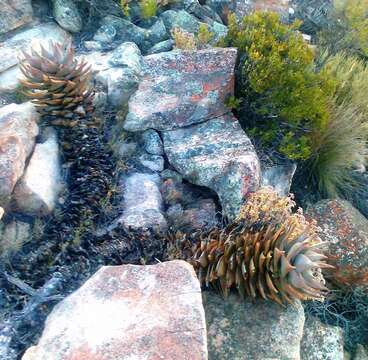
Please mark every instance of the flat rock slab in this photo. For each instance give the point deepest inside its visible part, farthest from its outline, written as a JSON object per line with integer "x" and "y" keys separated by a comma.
{"x": 18, "y": 130}
{"x": 246, "y": 330}
{"x": 128, "y": 312}
{"x": 181, "y": 88}
{"x": 216, "y": 154}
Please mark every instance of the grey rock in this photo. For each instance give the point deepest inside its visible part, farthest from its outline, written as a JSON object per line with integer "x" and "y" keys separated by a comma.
{"x": 121, "y": 84}
{"x": 162, "y": 46}
{"x": 127, "y": 55}
{"x": 127, "y": 148}
{"x": 10, "y": 51}
{"x": 36, "y": 193}
{"x": 99, "y": 101}
{"x": 157, "y": 33}
{"x": 321, "y": 342}
{"x": 204, "y": 13}
{"x": 129, "y": 312}
{"x": 279, "y": 177}
{"x": 216, "y": 154}
{"x": 67, "y": 15}
{"x": 13, "y": 236}
{"x": 180, "y": 88}
{"x": 152, "y": 142}
{"x": 174, "y": 212}
{"x": 142, "y": 202}
{"x": 93, "y": 45}
{"x": 152, "y": 162}
{"x": 14, "y": 14}
{"x": 261, "y": 330}
{"x": 125, "y": 30}
{"x": 105, "y": 34}
{"x": 18, "y": 130}
{"x": 181, "y": 19}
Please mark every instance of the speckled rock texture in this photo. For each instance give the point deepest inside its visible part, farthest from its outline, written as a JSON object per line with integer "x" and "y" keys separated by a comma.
{"x": 361, "y": 353}
{"x": 181, "y": 88}
{"x": 67, "y": 15}
{"x": 216, "y": 154}
{"x": 346, "y": 231}
{"x": 18, "y": 130}
{"x": 36, "y": 193}
{"x": 142, "y": 202}
{"x": 14, "y": 13}
{"x": 128, "y": 312}
{"x": 321, "y": 342}
{"x": 239, "y": 330}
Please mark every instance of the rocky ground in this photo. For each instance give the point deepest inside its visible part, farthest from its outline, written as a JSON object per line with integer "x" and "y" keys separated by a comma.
{"x": 172, "y": 156}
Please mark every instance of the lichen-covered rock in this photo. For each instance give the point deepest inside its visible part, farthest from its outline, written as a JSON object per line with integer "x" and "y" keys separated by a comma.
{"x": 345, "y": 230}
{"x": 321, "y": 342}
{"x": 152, "y": 142}
{"x": 18, "y": 130}
{"x": 36, "y": 193}
{"x": 142, "y": 202}
{"x": 162, "y": 46}
{"x": 239, "y": 329}
{"x": 181, "y": 88}
{"x": 216, "y": 154}
{"x": 67, "y": 15}
{"x": 152, "y": 162}
{"x": 14, "y": 13}
{"x": 128, "y": 312}
{"x": 10, "y": 51}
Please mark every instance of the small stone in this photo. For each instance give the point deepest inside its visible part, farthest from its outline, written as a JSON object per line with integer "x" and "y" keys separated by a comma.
{"x": 129, "y": 312}
{"x": 67, "y": 15}
{"x": 105, "y": 34}
{"x": 180, "y": 19}
{"x": 345, "y": 230}
{"x": 261, "y": 330}
{"x": 18, "y": 130}
{"x": 142, "y": 202}
{"x": 162, "y": 46}
{"x": 92, "y": 45}
{"x": 280, "y": 177}
{"x": 157, "y": 33}
{"x": 14, "y": 14}
{"x": 152, "y": 162}
{"x": 37, "y": 192}
{"x": 99, "y": 101}
{"x": 127, "y": 55}
{"x": 152, "y": 142}
{"x": 321, "y": 342}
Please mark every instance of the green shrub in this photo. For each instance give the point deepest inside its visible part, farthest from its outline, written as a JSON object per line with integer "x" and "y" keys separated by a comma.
{"x": 148, "y": 8}
{"x": 204, "y": 35}
{"x": 283, "y": 98}
{"x": 183, "y": 39}
{"x": 125, "y": 7}
{"x": 347, "y": 28}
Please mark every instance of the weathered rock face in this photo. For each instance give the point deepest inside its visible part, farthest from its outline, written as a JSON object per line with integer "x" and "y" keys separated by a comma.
{"x": 279, "y": 177}
{"x": 18, "y": 129}
{"x": 36, "y": 193}
{"x": 321, "y": 342}
{"x": 119, "y": 70}
{"x": 181, "y": 88}
{"x": 128, "y": 312}
{"x": 360, "y": 353}
{"x": 216, "y": 154}
{"x": 346, "y": 231}
{"x": 14, "y": 13}
{"x": 67, "y": 15}
{"x": 142, "y": 202}
{"x": 10, "y": 50}
{"x": 239, "y": 330}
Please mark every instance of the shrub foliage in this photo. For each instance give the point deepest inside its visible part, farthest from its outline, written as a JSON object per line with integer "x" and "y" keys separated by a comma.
{"x": 281, "y": 93}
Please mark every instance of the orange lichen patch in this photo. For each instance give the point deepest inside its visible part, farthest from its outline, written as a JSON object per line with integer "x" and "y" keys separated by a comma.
{"x": 84, "y": 352}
